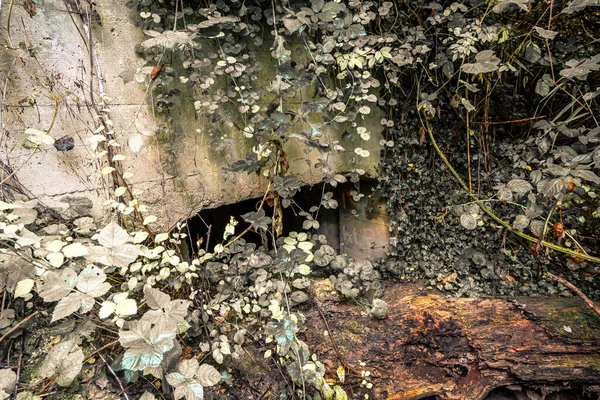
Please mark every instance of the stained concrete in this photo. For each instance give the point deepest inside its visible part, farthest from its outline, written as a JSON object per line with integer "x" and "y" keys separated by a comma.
{"x": 179, "y": 172}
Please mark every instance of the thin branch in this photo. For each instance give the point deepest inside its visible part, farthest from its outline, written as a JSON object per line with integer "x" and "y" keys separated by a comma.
{"x": 578, "y": 292}
{"x": 513, "y": 121}
{"x": 106, "y": 346}
{"x": 17, "y": 326}
{"x": 123, "y": 391}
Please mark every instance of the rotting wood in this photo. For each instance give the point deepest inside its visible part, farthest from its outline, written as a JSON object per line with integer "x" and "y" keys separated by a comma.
{"x": 430, "y": 345}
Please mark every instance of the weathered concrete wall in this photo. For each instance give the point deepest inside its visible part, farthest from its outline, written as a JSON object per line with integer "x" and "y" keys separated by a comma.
{"x": 179, "y": 173}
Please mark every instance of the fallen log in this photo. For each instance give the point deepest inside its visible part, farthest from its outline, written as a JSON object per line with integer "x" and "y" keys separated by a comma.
{"x": 430, "y": 345}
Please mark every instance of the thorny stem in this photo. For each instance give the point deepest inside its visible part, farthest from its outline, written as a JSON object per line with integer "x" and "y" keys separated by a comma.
{"x": 496, "y": 218}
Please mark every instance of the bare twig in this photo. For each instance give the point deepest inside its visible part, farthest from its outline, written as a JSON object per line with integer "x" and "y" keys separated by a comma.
{"x": 578, "y": 292}
{"x": 330, "y": 334}
{"x": 115, "y": 375}
{"x": 17, "y": 326}
{"x": 19, "y": 368}
{"x": 100, "y": 349}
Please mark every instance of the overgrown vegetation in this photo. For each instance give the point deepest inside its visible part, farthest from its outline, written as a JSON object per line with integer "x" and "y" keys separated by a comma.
{"x": 490, "y": 142}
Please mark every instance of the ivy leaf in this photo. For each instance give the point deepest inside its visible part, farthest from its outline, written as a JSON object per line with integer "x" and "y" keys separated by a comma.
{"x": 146, "y": 344}
{"x": 112, "y": 235}
{"x": 65, "y": 360}
{"x": 258, "y": 219}
{"x": 92, "y": 281}
{"x": 168, "y": 39}
{"x": 330, "y": 10}
{"x": 185, "y": 387}
{"x": 57, "y": 285}
{"x": 292, "y": 24}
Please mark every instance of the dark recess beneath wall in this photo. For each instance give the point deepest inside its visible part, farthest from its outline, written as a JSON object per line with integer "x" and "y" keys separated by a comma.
{"x": 208, "y": 226}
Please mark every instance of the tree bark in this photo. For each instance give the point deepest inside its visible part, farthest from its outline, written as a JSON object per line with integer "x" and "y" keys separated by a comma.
{"x": 430, "y": 345}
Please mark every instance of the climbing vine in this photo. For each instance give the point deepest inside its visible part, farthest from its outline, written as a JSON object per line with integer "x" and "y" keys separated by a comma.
{"x": 484, "y": 115}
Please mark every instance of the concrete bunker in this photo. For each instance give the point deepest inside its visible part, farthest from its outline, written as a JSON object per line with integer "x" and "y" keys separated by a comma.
{"x": 358, "y": 226}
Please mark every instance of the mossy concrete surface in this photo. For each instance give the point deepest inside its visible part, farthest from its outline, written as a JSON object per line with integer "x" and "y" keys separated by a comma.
{"x": 177, "y": 169}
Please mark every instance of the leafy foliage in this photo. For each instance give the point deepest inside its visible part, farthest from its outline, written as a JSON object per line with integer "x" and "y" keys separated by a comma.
{"x": 513, "y": 104}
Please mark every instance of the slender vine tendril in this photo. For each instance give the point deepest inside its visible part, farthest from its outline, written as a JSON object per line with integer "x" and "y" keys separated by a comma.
{"x": 496, "y": 218}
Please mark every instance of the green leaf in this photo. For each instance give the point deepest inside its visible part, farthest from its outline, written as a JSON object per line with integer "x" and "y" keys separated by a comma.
{"x": 92, "y": 281}
{"x": 580, "y": 68}
{"x": 292, "y": 24}
{"x": 185, "y": 387}
{"x": 75, "y": 250}
{"x": 284, "y": 332}
{"x": 486, "y": 61}
{"x": 521, "y": 222}
{"x": 544, "y": 85}
{"x": 468, "y": 221}
{"x": 172, "y": 313}
{"x": 505, "y": 5}
{"x": 467, "y": 104}
{"x": 578, "y": 5}
{"x": 65, "y": 360}
{"x": 145, "y": 344}
{"x": 207, "y": 375}
{"x": 519, "y": 186}
{"x": 72, "y": 303}
{"x": 533, "y": 53}
{"x": 546, "y": 34}
{"x": 156, "y": 299}
{"x": 112, "y": 235}
{"x": 57, "y": 285}
{"x": 586, "y": 174}
{"x": 317, "y": 5}
{"x": 8, "y": 380}
{"x": 23, "y": 288}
